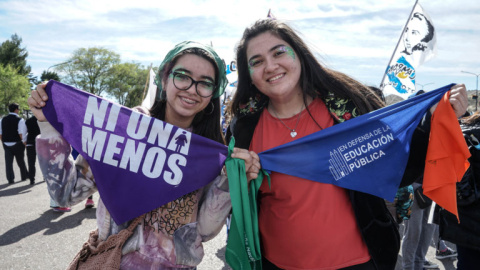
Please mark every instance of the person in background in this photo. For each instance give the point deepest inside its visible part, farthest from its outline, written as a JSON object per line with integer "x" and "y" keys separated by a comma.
{"x": 32, "y": 132}
{"x": 418, "y": 235}
{"x": 190, "y": 81}
{"x": 442, "y": 251}
{"x": 13, "y": 134}
{"x": 283, "y": 94}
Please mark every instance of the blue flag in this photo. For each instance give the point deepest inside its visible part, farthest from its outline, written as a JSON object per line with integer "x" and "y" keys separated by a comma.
{"x": 368, "y": 153}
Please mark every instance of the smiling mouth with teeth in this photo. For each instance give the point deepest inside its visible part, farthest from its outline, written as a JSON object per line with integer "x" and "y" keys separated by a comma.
{"x": 189, "y": 101}
{"x": 276, "y": 78}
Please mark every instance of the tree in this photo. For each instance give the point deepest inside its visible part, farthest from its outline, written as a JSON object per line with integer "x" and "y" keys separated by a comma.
{"x": 49, "y": 75}
{"x": 127, "y": 83}
{"x": 12, "y": 54}
{"x": 46, "y": 76}
{"x": 15, "y": 88}
{"x": 34, "y": 81}
{"x": 90, "y": 69}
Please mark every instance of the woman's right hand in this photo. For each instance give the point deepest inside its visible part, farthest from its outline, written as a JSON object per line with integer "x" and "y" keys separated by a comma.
{"x": 37, "y": 101}
{"x": 252, "y": 162}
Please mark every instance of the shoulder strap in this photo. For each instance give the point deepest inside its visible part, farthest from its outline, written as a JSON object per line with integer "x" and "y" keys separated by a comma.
{"x": 135, "y": 222}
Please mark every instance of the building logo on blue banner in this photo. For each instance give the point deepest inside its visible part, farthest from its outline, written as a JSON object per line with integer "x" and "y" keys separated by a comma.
{"x": 359, "y": 152}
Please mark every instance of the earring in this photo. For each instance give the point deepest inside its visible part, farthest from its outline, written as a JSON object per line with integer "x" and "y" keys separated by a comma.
{"x": 213, "y": 108}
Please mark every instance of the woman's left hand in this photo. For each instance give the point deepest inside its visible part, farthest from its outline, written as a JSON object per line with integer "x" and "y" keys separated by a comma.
{"x": 252, "y": 162}
{"x": 458, "y": 100}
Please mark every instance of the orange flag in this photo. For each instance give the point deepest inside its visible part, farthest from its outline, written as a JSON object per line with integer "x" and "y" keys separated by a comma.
{"x": 447, "y": 156}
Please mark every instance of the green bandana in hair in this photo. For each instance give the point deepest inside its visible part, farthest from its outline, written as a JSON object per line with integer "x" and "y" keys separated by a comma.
{"x": 222, "y": 77}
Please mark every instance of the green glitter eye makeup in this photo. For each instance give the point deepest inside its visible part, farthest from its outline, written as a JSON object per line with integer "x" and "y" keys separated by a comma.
{"x": 288, "y": 50}
{"x": 178, "y": 70}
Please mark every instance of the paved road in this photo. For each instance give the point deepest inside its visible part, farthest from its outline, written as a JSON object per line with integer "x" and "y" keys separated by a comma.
{"x": 32, "y": 236}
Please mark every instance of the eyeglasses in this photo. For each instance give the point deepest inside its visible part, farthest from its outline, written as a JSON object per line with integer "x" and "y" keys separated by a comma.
{"x": 183, "y": 82}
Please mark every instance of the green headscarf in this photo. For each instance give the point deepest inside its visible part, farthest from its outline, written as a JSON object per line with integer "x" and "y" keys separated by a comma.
{"x": 222, "y": 77}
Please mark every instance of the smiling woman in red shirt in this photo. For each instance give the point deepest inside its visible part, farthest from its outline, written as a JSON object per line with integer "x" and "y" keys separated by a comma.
{"x": 283, "y": 94}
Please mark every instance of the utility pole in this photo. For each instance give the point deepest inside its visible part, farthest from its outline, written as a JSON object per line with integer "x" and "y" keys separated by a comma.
{"x": 58, "y": 65}
{"x": 476, "y": 95}
{"x": 422, "y": 85}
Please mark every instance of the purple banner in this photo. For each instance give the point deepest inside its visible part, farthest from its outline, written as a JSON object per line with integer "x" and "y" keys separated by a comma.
{"x": 139, "y": 162}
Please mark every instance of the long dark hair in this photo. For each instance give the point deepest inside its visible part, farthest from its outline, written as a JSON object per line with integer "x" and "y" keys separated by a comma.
{"x": 206, "y": 123}
{"x": 315, "y": 79}
{"x": 471, "y": 120}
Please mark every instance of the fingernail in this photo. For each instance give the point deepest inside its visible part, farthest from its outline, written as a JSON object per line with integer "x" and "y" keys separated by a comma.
{"x": 44, "y": 97}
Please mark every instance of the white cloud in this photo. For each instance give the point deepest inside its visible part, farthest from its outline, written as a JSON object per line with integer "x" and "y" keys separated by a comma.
{"x": 356, "y": 37}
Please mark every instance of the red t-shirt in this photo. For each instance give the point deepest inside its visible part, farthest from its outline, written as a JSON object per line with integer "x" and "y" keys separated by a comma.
{"x": 304, "y": 224}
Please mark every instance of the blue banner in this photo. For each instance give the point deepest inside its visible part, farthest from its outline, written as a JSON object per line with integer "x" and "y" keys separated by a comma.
{"x": 368, "y": 153}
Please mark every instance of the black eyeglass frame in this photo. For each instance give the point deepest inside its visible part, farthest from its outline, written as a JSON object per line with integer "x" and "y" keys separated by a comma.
{"x": 193, "y": 82}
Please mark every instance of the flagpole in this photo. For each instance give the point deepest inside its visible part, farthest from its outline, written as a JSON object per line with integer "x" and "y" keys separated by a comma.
{"x": 399, "y": 40}
{"x": 146, "y": 83}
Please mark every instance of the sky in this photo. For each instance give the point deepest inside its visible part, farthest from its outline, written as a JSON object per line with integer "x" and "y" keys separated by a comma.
{"x": 356, "y": 37}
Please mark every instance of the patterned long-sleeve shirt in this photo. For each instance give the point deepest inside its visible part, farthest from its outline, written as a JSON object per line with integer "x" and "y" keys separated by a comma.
{"x": 169, "y": 237}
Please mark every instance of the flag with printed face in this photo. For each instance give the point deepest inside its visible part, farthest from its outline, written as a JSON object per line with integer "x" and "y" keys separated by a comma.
{"x": 151, "y": 92}
{"x": 368, "y": 153}
{"x": 416, "y": 45}
{"x": 134, "y": 157}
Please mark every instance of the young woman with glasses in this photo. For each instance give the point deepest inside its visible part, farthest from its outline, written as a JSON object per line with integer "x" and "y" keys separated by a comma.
{"x": 190, "y": 81}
